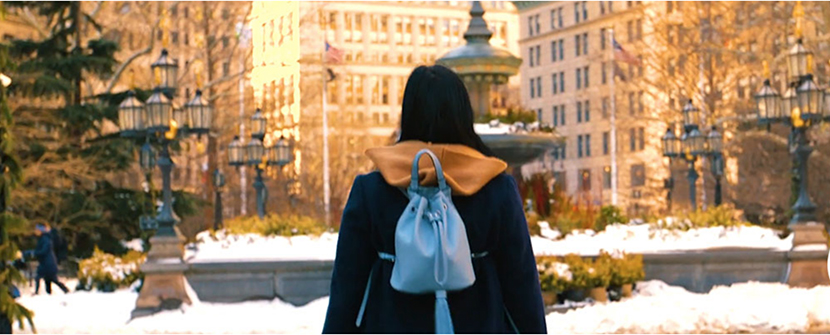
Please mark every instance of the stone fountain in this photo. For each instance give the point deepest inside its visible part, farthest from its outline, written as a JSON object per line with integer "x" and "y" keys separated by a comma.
{"x": 481, "y": 65}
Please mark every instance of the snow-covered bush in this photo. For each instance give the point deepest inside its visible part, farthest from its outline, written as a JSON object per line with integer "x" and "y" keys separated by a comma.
{"x": 554, "y": 276}
{"x": 106, "y": 272}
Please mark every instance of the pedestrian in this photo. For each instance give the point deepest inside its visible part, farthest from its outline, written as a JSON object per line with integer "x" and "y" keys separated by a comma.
{"x": 505, "y": 296}
{"x": 47, "y": 268}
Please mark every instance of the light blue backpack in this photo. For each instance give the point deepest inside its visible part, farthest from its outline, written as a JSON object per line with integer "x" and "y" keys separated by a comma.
{"x": 432, "y": 254}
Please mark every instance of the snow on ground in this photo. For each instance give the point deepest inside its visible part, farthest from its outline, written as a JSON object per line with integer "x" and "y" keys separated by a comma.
{"x": 632, "y": 238}
{"x": 655, "y": 308}
{"x": 644, "y": 238}
{"x": 660, "y": 308}
{"x": 249, "y": 247}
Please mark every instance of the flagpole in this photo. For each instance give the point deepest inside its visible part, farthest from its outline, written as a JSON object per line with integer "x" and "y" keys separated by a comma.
{"x": 613, "y": 136}
{"x": 326, "y": 185}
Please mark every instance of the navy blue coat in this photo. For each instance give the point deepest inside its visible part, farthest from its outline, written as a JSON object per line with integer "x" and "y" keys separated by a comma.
{"x": 506, "y": 279}
{"x": 45, "y": 253}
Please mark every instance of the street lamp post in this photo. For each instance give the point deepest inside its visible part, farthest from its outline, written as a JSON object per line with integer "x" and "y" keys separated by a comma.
{"x": 258, "y": 155}
{"x": 801, "y": 107}
{"x": 218, "y": 183}
{"x": 691, "y": 145}
{"x": 159, "y": 120}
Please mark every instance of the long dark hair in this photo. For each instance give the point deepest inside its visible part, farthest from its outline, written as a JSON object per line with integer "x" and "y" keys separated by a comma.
{"x": 436, "y": 108}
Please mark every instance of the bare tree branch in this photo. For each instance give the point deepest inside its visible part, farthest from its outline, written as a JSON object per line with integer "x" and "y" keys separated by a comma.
{"x": 127, "y": 63}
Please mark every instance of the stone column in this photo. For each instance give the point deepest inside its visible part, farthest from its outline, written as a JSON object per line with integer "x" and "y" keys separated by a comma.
{"x": 808, "y": 258}
{"x": 164, "y": 286}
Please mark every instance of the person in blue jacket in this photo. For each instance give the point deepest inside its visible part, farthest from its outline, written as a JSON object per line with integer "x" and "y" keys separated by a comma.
{"x": 506, "y": 296}
{"x": 47, "y": 267}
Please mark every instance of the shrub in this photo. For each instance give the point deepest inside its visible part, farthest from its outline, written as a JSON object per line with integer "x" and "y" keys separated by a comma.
{"x": 625, "y": 268}
{"x": 106, "y": 272}
{"x": 276, "y": 225}
{"x": 720, "y": 216}
{"x": 554, "y": 276}
{"x": 599, "y": 272}
{"x": 608, "y": 215}
{"x": 579, "y": 270}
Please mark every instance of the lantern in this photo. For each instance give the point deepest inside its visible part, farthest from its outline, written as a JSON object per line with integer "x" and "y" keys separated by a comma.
{"x": 788, "y": 102}
{"x": 714, "y": 142}
{"x": 200, "y": 112}
{"x": 797, "y": 61}
{"x": 670, "y": 141}
{"x": 168, "y": 72}
{"x": 258, "y": 125}
{"x": 158, "y": 111}
{"x": 131, "y": 115}
{"x": 694, "y": 143}
{"x": 181, "y": 117}
{"x": 236, "y": 154}
{"x": 691, "y": 116}
{"x": 255, "y": 151}
{"x": 810, "y": 99}
{"x": 280, "y": 153}
{"x": 767, "y": 101}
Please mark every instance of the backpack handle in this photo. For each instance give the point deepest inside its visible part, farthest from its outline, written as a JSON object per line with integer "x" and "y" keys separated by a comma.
{"x": 414, "y": 183}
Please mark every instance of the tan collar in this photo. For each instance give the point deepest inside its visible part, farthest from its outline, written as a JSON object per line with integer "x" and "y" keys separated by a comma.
{"x": 466, "y": 169}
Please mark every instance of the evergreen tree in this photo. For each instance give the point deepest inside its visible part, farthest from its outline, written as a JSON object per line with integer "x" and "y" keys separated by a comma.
{"x": 10, "y": 173}
{"x": 67, "y": 155}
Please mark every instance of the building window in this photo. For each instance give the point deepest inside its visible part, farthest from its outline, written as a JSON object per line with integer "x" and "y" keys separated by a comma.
{"x": 538, "y": 26}
{"x": 585, "y": 75}
{"x": 602, "y": 43}
{"x": 631, "y": 109}
{"x": 610, "y": 6}
{"x": 579, "y": 112}
{"x": 588, "y": 145}
{"x": 226, "y": 14}
{"x": 555, "y": 116}
{"x": 585, "y": 43}
{"x": 530, "y": 25}
{"x": 530, "y": 55}
{"x": 585, "y": 10}
{"x": 226, "y": 41}
{"x": 553, "y": 51}
{"x": 539, "y": 115}
{"x": 552, "y": 19}
{"x": 226, "y": 69}
{"x": 539, "y": 54}
{"x": 561, "y": 49}
{"x": 555, "y": 83}
{"x": 642, "y": 142}
{"x": 602, "y": 8}
{"x": 561, "y": 19}
{"x": 576, "y": 12}
{"x": 640, "y": 106}
{"x": 539, "y": 87}
{"x": 174, "y": 37}
{"x": 532, "y": 86}
{"x": 606, "y": 178}
{"x": 632, "y": 140}
{"x": 605, "y": 142}
{"x": 630, "y": 28}
{"x": 562, "y": 81}
{"x": 606, "y": 105}
{"x": 562, "y": 114}
{"x": 578, "y": 44}
{"x": 586, "y": 110}
{"x": 579, "y": 146}
{"x": 578, "y": 78}
{"x": 638, "y": 175}
{"x": 585, "y": 179}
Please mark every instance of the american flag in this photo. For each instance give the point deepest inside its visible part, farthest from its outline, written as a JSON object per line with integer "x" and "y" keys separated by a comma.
{"x": 621, "y": 55}
{"x": 333, "y": 55}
